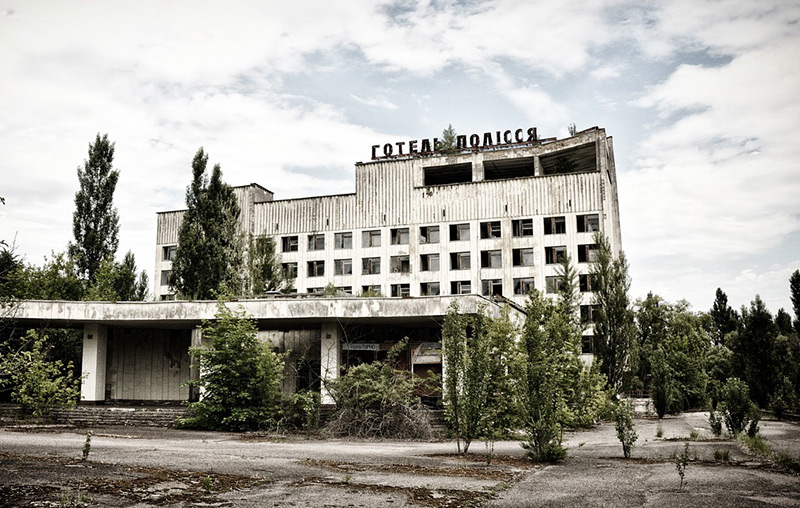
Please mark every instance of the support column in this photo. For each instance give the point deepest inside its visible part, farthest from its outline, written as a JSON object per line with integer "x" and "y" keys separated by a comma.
{"x": 95, "y": 346}
{"x": 329, "y": 358}
{"x": 194, "y": 370}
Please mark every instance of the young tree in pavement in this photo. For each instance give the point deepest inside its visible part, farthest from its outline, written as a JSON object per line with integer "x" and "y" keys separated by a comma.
{"x": 209, "y": 250}
{"x": 95, "y": 222}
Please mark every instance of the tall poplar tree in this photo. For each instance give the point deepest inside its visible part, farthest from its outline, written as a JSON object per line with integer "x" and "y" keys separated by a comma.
{"x": 794, "y": 288}
{"x": 209, "y": 254}
{"x": 95, "y": 222}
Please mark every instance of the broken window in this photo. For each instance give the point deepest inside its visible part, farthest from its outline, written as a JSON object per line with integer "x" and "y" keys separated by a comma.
{"x": 490, "y": 229}
{"x": 499, "y": 169}
{"x": 555, "y": 255}
{"x": 587, "y": 253}
{"x": 451, "y": 173}
{"x": 168, "y": 252}
{"x": 429, "y": 263}
{"x": 348, "y": 290}
{"x": 459, "y": 232}
{"x": 461, "y": 287}
{"x": 570, "y": 160}
{"x": 491, "y": 287}
{"x": 400, "y": 236}
{"x": 371, "y": 290}
{"x": 165, "y": 277}
{"x": 587, "y": 282}
{"x": 522, "y": 257}
{"x": 555, "y": 225}
{"x": 587, "y": 313}
{"x": 554, "y": 284}
{"x": 342, "y": 266}
{"x": 491, "y": 259}
{"x": 399, "y": 264}
{"x": 316, "y": 268}
{"x": 588, "y": 223}
{"x": 459, "y": 261}
{"x": 343, "y": 240}
{"x": 523, "y": 285}
{"x": 587, "y": 344}
{"x": 289, "y": 244}
{"x": 370, "y": 266}
{"x": 522, "y": 227}
{"x": 316, "y": 242}
{"x": 429, "y": 289}
{"x": 429, "y": 234}
{"x": 289, "y": 270}
{"x": 401, "y": 290}
{"x": 371, "y": 238}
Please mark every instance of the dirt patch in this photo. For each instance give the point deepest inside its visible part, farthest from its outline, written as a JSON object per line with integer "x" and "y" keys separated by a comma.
{"x": 476, "y": 460}
{"x": 482, "y": 473}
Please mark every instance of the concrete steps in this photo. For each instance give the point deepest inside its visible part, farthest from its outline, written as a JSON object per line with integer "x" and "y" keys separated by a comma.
{"x": 99, "y": 416}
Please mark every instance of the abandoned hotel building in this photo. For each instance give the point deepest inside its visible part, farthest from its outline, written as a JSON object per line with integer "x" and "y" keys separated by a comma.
{"x": 421, "y": 229}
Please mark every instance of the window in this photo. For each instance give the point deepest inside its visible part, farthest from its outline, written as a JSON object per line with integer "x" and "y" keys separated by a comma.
{"x": 554, "y": 255}
{"x": 461, "y": 287}
{"x": 401, "y": 290}
{"x": 459, "y": 232}
{"x": 399, "y": 264}
{"x": 429, "y": 263}
{"x": 429, "y": 234}
{"x": 165, "y": 277}
{"x": 459, "y": 261}
{"x": 342, "y": 266}
{"x": 491, "y": 259}
{"x": 316, "y": 268}
{"x": 167, "y": 298}
{"x": 555, "y": 225}
{"x": 554, "y": 284}
{"x": 429, "y": 288}
{"x": 587, "y": 313}
{"x": 168, "y": 252}
{"x": 490, "y": 229}
{"x": 400, "y": 236}
{"x": 316, "y": 242}
{"x": 348, "y": 290}
{"x": 491, "y": 287}
{"x": 588, "y": 223}
{"x": 522, "y": 227}
{"x": 587, "y": 253}
{"x": 370, "y": 266}
{"x": 587, "y": 344}
{"x": 343, "y": 240}
{"x": 522, "y": 257}
{"x": 289, "y": 270}
{"x": 315, "y": 291}
{"x": 587, "y": 282}
{"x": 289, "y": 244}
{"x": 372, "y": 290}
{"x": 371, "y": 238}
{"x": 523, "y": 286}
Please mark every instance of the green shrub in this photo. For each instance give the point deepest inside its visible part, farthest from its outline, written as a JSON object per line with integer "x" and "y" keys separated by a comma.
{"x": 737, "y": 409}
{"x": 301, "y": 411}
{"x": 757, "y": 445}
{"x": 715, "y": 421}
{"x": 723, "y": 455}
{"x": 625, "y": 430}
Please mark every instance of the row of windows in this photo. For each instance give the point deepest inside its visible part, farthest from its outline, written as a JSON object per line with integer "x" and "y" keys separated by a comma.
{"x": 430, "y": 234}
{"x": 431, "y": 262}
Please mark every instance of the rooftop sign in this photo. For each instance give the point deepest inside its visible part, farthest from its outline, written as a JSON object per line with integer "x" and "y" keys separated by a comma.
{"x": 463, "y": 142}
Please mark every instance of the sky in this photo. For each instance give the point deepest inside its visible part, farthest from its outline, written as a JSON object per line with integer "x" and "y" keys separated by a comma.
{"x": 702, "y": 98}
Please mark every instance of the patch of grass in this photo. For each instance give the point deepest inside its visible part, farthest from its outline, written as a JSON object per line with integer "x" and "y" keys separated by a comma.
{"x": 694, "y": 435}
{"x": 207, "y": 482}
{"x": 723, "y": 455}
{"x": 74, "y": 499}
{"x": 756, "y": 444}
{"x": 787, "y": 462}
{"x": 659, "y": 431}
{"x": 87, "y": 446}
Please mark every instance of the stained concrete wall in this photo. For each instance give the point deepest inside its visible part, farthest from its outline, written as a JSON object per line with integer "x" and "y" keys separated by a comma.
{"x": 147, "y": 364}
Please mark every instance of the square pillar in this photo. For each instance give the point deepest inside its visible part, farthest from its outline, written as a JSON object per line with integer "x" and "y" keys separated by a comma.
{"x": 329, "y": 358}
{"x": 95, "y": 346}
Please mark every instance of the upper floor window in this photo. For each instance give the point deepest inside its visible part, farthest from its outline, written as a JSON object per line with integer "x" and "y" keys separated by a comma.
{"x": 459, "y": 232}
{"x": 400, "y": 236}
{"x": 370, "y": 266}
{"x": 429, "y": 288}
{"x": 429, "y": 234}
{"x": 555, "y": 225}
{"x": 587, "y": 253}
{"x": 343, "y": 240}
{"x": 168, "y": 252}
{"x": 522, "y": 257}
{"x": 459, "y": 261}
{"x": 522, "y": 227}
{"x": 491, "y": 259}
{"x": 587, "y": 282}
{"x": 490, "y": 229}
{"x": 316, "y": 242}
{"x": 165, "y": 277}
{"x": 401, "y": 290}
{"x": 554, "y": 284}
{"x": 429, "y": 263}
{"x": 316, "y": 268}
{"x": 289, "y": 244}
{"x": 523, "y": 286}
{"x": 342, "y": 266}
{"x": 289, "y": 270}
{"x": 555, "y": 255}
{"x": 588, "y": 223}
{"x": 371, "y": 238}
{"x": 399, "y": 264}
{"x": 491, "y": 287}
{"x": 588, "y": 313}
{"x": 461, "y": 287}
{"x": 371, "y": 290}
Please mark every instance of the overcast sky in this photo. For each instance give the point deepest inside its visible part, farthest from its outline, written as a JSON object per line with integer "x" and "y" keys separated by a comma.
{"x": 702, "y": 99}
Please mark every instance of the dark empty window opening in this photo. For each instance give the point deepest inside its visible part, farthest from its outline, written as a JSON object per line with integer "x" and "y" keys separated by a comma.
{"x": 522, "y": 257}
{"x": 555, "y": 225}
{"x": 461, "y": 287}
{"x": 490, "y": 229}
{"x": 491, "y": 287}
{"x": 522, "y": 227}
{"x": 452, "y": 173}
{"x": 459, "y": 260}
{"x": 399, "y": 264}
{"x": 491, "y": 259}
{"x": 587, "y": 253}
{"x": 401, "y": 290}
{"x": 429, "y": 288}
{"x": 554, "y": 255}
{"x": 587, "y": 282}
{"x": 501, "y": 169}
{"x": 459, "y": 232}
{"x": 578, "y": 159}
{"x": 588, "y": 223}
{"x": 523, "y": 286}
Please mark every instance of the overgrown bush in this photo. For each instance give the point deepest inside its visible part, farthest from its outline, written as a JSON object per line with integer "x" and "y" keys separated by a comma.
{"x": 623, "y": 418}
{"x": 737, "y": 409}
{"x": 38, "y": 384}
{"x": 301, "y": 411}
{"x": 376, "y": 400}
{"x": 715, "y": 421}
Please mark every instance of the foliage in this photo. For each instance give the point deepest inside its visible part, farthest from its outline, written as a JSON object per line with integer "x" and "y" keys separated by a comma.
{"x": 723, "y": 455}
{"x": 301, "y": 411}
{"x": 724, "y": 318}
{"x": 264, "y": 272}
{"x": 55, "y": 280}
{"x": 209, "y": 246}
{"x": 499, "y": 418}
{"x": 681, "y": 461}
{"x": 794, "y": 294}
{"x": 715, "y": 422}
{"x": 95, "y": 222}
{"x": 661, "y": 388}
{"x": 623, "y": 423}
{"x": 118, "y": 281}
{"x": 614, "y": 329}
{"x": 87, "y": 446}
{"x": 737, "y": 409}
{"x": 38, "y": 384}
{"x": 718, "y": 370}
{"x": 376, "y": 400}
{"x": 448, "y": 145}
{"x": 753, "y": 351}
{"x": 465, "y": 345}
{"x": 240, "y": 378}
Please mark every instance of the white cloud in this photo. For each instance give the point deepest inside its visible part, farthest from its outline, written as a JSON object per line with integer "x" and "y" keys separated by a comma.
{"x": 377, "y": 102}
